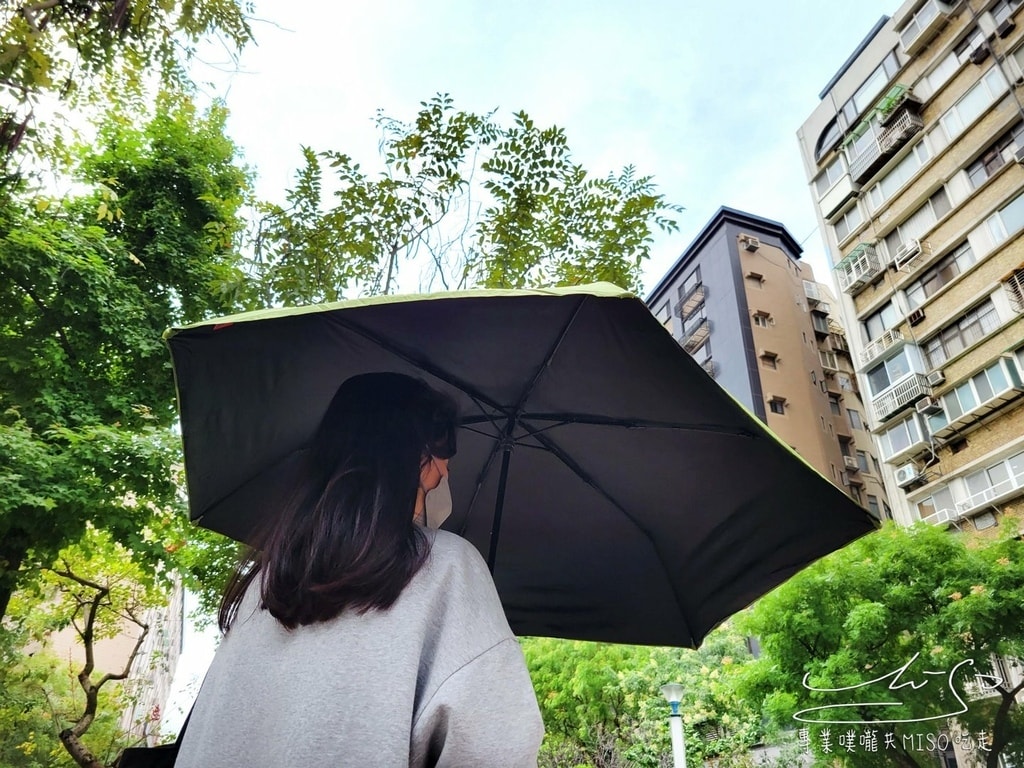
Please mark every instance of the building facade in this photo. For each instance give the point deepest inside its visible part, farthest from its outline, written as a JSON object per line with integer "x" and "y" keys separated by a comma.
{"x": 915, "y": 162}
{"x": 743, "y": 305}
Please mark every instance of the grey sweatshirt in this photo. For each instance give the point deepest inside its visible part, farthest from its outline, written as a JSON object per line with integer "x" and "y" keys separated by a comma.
{"x": 436, "y": 680}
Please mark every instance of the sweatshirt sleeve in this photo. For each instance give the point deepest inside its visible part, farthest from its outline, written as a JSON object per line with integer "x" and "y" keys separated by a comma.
{"x": 485, "y": 714}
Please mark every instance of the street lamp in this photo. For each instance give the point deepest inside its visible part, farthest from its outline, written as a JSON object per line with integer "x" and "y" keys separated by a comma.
{"x": 673, "y": 693}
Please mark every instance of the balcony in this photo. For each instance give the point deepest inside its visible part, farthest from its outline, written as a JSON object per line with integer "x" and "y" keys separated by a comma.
{"x": 887, "y": 142}
{"x": 690, "y": 301}
{"x": 921, "y": 28}
{"x": 942, "y": 517}
{"x": 888, "y": 340}
{"x": 860, "y": 267}
{"x": 1012, "y": 485}
{"x": 905, "y": 392}
{"x": 695, "y": 336}
{"x": 838, "y": 195}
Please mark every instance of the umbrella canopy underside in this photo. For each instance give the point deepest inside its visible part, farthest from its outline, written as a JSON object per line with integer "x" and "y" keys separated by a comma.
{"x": 640, "y": 503}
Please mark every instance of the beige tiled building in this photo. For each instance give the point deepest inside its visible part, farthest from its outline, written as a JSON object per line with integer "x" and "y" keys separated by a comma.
{"x": 915, "y": 160}
{"x": 740, "y": 301}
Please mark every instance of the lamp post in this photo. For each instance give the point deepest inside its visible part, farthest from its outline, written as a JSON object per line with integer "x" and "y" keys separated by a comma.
{"x": 673, "y": 693}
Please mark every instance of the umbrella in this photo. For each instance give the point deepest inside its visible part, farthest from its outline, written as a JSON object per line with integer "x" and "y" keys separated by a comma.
{"x": 618, "y": 493}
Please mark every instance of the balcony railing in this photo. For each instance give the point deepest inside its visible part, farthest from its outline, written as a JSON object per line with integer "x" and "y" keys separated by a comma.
{"x": 1013, "y": 485}
{"x": 859, "y": 268}
{"x": 905, "y": 392}
{"x": 903, "y": 126}
{"x": 877, "y": 347}
{"x": 888, "y": 126}
{"x": 690, "y": 300}
{"x": 942, "y": 517}
{"x": 693, "y": 339}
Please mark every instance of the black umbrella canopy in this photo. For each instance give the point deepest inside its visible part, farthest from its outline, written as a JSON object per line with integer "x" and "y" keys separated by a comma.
{"x": 617, "y": 491}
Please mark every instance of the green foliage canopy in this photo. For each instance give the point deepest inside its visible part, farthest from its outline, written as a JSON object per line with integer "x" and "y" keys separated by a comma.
{"x": 919, "y": 596}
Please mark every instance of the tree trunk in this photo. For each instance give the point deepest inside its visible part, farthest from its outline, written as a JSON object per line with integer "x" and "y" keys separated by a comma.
{"x": 78, "y": 750}
{"x": 1001, "y": 724}
{"x": 13, "y": 549}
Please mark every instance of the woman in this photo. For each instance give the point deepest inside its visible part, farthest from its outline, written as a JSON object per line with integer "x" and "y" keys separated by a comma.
{"x": 355, "y": 636}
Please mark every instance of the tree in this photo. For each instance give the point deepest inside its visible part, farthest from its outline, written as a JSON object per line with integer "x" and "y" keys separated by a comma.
{"x": 919, "y": 611}
{"x": 602, "y": 704}
{"x": 87, "y": 287}
{"x": 95, "y": 590}
{"x": 479, "y": 203}
{"x": 95, "y": 53}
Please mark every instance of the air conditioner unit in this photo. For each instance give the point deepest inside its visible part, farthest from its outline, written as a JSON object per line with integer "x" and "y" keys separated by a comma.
{"x": 936, "y": 378}
{"x": 916, "y": 317}
{"x": 979, "y": 54}
{"x": 928, "y": 406}
{"x": 851, "y": 463}
{"x": 906, "y": 474}
{"x": 1019, "y": 155}
{"x": 1005, "y": 28}
{"x": 750, "y": 242}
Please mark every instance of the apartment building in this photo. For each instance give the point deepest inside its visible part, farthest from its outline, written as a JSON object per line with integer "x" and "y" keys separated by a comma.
{"x": 743, "y": 305}
{"x": 915, "y": 162}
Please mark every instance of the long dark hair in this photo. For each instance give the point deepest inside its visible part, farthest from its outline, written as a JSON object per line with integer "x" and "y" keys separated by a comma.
{"x": 347, "y": 539}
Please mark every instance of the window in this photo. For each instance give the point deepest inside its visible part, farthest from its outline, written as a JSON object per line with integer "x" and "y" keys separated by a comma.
{"x": 901, "y": 173}
{"x": 855, "y": 420}
{"x": 1007, "y": 220}
{"x": 855, "y": 494}
{"x": 690, "y": 283}
{"x": 665, "y": 315}
{"x": 971, "y": 40}
{"x": 763, "y": 319}
{"x": 833, "y": 405}
{"x": 755, "y": 280}
{"x": 977, "y": 391}
{"x": 941, "y": 499}
{"x": 941, "y": 274}
{"x": 880, "y": 321}
{"x": 1002, "y": 10}
{"x": 862, "y": 461}
{"x": 887, "y": 373}
{"x": 833, "y": 172}
{"x": 961, "y": 334}
{"x": 703, "y": 354}
{"x": 900, "y": 437}
{"x": 1005, "y": 476}
{"x": 970, "y": 106}
{"x": 919, "y": 222}
{"x": 770, "y": 360}
{"x": 777, "y": 405}
{"x": 845, "y": 382}
{"x": 995, "y": 157}
{"x": 869, "y": 90}
{"x": 873, "y": 506}
{"x": 848, "y": 222}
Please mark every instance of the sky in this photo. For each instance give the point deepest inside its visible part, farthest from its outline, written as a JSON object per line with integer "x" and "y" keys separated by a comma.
{"x": 706, "y": 97}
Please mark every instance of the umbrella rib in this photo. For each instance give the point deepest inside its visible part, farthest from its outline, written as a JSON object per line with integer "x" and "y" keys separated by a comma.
{"x": 422, "y": 363}
{"x": 512, "y": 415}
{"x": 606, "y": 421}
{"x": 562, "y": 456}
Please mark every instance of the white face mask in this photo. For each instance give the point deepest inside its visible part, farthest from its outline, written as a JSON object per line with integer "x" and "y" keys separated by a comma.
{"x": 437, "y": 505}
